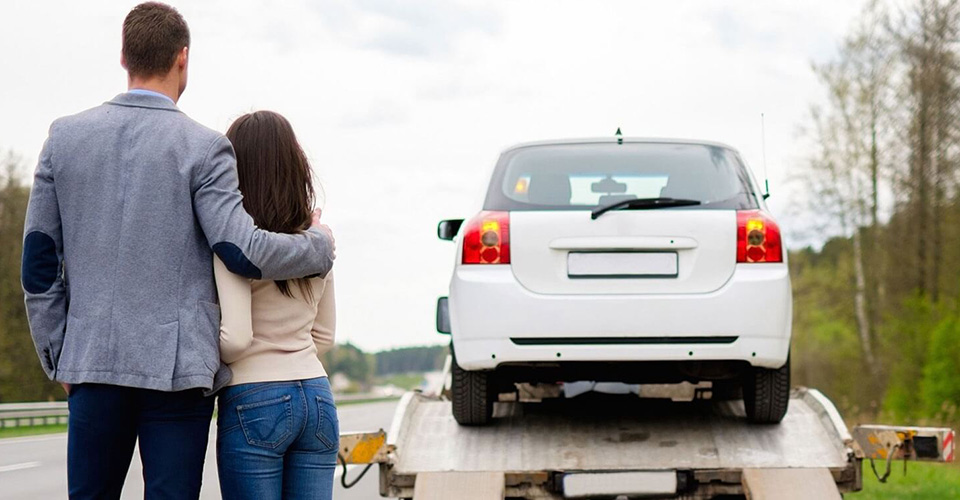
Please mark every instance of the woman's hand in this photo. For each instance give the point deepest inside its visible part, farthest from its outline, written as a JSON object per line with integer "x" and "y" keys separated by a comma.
{"x": 325, "y": 229}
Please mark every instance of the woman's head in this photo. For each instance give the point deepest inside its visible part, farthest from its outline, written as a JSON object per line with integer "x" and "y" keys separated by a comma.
{"x": 275, "y": 176}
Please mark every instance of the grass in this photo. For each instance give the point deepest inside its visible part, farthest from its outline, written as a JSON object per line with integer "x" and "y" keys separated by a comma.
{"x": 367, "y": 400}
{"x": 11, "y": 432}
{"x": 923, "y": 481}
{"x": 408, "y": 381}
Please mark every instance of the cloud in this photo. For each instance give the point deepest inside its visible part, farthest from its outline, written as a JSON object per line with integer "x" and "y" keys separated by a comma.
{"x": 380, "y": 114}
{"x": 775, "y": 30}
{"x": 424, "y": 29}
{"x": 452, "y": 89}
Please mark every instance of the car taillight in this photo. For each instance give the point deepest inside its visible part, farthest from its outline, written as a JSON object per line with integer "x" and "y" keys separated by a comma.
{"x": 486, "y": 239}
{"x": 758, "y": 238}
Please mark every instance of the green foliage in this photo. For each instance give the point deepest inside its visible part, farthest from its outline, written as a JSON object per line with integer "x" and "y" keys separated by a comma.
{"x": 825, "y": 345}
{"x": 408, "y": 381}
{"x": 21, "y": 378}
{"x": 411, "y": 359}
{"x": 919, "y": 344}
{"x": 884, "y": 172}
{"x": 906, "y": 337}
{"x": 923, "y": 481}
{"x": 940, "y": 386}
{"x": 364, "y": 368}
{"x": 349, "y": 360}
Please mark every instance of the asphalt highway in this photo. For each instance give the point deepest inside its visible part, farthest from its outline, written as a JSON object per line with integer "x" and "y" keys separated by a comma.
{"x": 34, "y": 468}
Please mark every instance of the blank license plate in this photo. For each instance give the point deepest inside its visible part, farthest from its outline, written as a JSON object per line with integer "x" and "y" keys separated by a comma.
{"x": 643, "y": 483}
{"x": 622, "y": 265}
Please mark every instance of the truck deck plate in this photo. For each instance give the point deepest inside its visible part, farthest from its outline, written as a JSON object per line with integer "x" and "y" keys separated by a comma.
{"x": 618, "y": 434}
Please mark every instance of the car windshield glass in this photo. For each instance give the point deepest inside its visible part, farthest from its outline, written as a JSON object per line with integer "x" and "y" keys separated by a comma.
{"x": 585, "y": 176}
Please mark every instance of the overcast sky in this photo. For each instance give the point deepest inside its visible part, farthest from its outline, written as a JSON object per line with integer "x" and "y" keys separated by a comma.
{"x": 403, "y": 106}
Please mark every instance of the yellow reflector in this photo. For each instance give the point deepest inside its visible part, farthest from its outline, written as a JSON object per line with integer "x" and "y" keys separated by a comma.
{"x": 491, "y": 225}
{"x": 754, "y": 225}
{"x": 521, "y": 186}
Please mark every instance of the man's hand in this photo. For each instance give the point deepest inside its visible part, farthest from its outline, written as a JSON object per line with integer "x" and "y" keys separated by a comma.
{"x": 325, "y": 229}
{"x": 66, "y": 387}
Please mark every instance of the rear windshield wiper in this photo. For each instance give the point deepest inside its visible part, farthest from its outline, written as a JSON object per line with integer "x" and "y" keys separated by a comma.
{"x": 643, "y": 204}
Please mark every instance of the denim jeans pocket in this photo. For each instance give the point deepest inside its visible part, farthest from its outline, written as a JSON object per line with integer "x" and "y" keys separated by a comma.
{"x": 328, "y": 425}
{"x": 268, "y": 423}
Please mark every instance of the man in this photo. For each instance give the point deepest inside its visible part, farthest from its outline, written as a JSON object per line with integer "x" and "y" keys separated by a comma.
{"x": 129, "y": 201}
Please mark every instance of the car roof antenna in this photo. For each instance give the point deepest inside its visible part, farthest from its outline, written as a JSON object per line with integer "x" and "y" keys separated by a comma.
{"x": 619, "y": 136}
{"x": 763, "y": 149}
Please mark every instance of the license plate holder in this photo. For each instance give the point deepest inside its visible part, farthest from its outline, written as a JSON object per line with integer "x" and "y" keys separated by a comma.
{"x": 629, "y": 265}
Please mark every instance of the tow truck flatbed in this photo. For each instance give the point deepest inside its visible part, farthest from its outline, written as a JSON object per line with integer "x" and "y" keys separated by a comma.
{"x": 626, "y": 447}
{"x": 706, "y": 445}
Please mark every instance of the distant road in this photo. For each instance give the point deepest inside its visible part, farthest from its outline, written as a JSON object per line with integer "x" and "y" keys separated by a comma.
{"x": 34, "y": 468}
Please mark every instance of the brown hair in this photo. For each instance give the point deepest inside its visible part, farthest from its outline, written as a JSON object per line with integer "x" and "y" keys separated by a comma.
{"x": 153, "y": 35}
{"x": 275, "y": 178}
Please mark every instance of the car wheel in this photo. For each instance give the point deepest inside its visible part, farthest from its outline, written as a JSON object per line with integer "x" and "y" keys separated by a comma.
{"x": 472, "y": 395}
{"x": 766, "y": 393}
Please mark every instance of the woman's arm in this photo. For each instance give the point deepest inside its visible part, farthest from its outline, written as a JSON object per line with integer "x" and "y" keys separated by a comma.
{"x": 231, "y": 233}
{"x": 236, "y": 321}
{"x": 325, "y": 325}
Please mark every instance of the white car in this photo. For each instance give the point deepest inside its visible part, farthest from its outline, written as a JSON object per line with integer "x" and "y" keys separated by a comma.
{"x": 631, "y": 260}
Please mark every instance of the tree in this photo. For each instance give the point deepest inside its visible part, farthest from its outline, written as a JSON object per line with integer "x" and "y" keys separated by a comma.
{"x": 21, "y": 378}
{"x": 927, "y": 41}
{"x": 845, "y": 171}
{"x": 883, "y": 175}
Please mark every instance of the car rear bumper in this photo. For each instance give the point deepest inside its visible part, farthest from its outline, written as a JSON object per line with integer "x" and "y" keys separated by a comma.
{"x": 495, "y": 320}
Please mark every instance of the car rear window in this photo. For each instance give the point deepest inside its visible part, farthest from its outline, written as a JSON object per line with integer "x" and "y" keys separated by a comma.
{"x": 585, "y": 176}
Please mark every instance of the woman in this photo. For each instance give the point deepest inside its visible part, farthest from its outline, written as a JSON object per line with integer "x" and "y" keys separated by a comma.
{"x": 277, "y": 428}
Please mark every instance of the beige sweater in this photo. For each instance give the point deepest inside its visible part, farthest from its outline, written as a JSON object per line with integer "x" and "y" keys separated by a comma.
{"x": 266, "y": 336}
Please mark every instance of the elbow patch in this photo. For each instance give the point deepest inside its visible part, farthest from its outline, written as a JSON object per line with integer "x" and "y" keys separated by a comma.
{"x": 40, "y": 264}
{"x": 236, "y": 261}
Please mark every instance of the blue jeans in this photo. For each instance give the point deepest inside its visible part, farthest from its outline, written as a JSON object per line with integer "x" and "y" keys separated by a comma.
{"x": 107, "y": 420}
{"x": 277, "y": 440}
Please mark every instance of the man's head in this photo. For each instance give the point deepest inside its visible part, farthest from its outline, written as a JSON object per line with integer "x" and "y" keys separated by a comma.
{"x": 155, "y": 43}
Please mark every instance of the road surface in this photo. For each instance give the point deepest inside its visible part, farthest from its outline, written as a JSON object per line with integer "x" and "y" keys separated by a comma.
{"x": 36, "y": 467}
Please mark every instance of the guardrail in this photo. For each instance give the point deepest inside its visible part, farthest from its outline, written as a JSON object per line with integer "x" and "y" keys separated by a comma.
{"x": 30, "y": 414}
{"x": 56, "y": 412}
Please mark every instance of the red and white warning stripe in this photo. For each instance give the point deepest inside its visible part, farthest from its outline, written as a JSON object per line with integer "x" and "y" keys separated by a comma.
{"x": 948, "y": 447}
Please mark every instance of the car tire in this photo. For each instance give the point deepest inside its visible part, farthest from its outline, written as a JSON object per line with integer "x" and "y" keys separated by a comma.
{"x": 766, "y": 393}
{"x": 473, "y": 395}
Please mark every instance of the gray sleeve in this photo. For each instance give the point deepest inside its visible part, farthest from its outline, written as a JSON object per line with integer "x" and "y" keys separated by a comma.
{"x": 245, "y": 249}
{"x": 41, "y": 272}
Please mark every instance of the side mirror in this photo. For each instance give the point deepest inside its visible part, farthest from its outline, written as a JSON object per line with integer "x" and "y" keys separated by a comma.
{"x": 443, "y": 315}
{"x": 448, "y": 229}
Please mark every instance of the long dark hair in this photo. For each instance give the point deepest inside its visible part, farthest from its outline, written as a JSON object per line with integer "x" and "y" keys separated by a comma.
{"x": 275, "y": 178}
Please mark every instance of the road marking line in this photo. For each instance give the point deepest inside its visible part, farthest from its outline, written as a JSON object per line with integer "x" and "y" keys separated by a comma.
{"x": 14, "y": 467}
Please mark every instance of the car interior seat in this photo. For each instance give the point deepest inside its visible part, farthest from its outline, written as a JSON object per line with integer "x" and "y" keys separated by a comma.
{"x": 549, "y": 188}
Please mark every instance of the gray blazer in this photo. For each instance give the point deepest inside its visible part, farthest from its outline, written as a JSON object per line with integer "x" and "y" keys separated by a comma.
{"x": 128, "y": 202}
